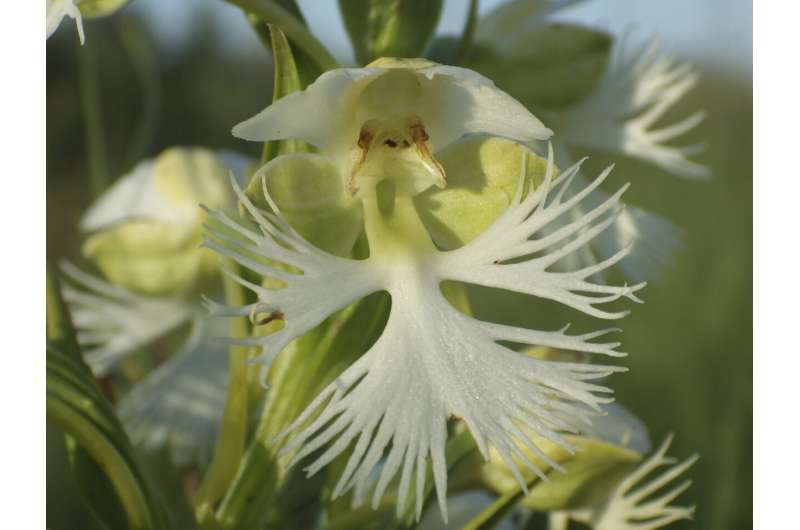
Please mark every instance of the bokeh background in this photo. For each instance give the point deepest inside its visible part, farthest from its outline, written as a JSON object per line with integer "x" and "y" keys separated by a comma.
{"x": 182, "y": 73}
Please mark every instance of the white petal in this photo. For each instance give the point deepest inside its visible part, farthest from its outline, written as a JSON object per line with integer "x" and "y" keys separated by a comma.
{"x": 134, "y": 196}
{"x": 620, "y": 114}
{"x": 652, "y": 240}
{"x": 195, "y": 173}
{"x": 57, "y": 10}
{"x": 321, "y": 114}
{"x": 112, "y": 322}
{"x": 433, "y": 362}
{"x": 521, "y": 232}
{"x": 451, "y": 102}
{"x": 179, "y": 405}
{"x": 635, "y": 509}
{"x": 322, "y": 284}
{"x": 457, "y": 101}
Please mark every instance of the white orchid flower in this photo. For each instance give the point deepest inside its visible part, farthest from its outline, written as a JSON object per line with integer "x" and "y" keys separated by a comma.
{"x": 433, "y": 362}
{"x": 621, "y": 114}
{"x": 57, "y": 10}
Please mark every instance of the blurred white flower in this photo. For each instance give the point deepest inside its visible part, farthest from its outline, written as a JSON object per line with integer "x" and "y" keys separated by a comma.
{"x": 113, "y": 322}
{"x": 433, "y": 362}
{"x": 179, "y": 405}
{"x": 621, "y": 114}
{"x": 57, "y": 10}
{"x": 144, "y": 231}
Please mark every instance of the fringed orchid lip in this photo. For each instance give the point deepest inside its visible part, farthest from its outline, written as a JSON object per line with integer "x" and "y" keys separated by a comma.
{"x": 433, "y": 362}
{"x": 635, "y": 504}
{"x": 621, "y": 114}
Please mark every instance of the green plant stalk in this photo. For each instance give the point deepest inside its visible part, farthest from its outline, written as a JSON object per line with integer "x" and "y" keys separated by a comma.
{"x": 468, "y": 35}
{"x": 91, "y": 106}
{"x": 76, "y": 405}
{"x": 142, "y": 56}
{"x": 271, "y": 12}
{"x": 113, "y": 464}
{"x": 229, "y": 449}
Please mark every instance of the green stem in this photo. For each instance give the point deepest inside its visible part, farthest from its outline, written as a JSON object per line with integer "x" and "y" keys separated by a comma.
{"x": 230, "y": 445}
{"x": 125, "y": 483}
{"x": 96, "y": 150}
{"x": 142, "y": 56}
{"x": 295, "y": 30}
{"x": 468, "y": 35}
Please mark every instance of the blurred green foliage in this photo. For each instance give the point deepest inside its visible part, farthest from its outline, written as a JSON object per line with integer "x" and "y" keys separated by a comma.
{"x": 690, "y": 344}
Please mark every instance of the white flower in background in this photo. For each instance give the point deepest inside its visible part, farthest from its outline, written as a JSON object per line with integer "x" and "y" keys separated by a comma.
{"x": 144, "y": 232}
{"x": 634, "y": 505}
{"x": 57, "y": 10}
{"x": 433, "y": 362}
{"x": 179, "y": 405}
{"x": 621, "y": 114}
{"x": 620, "y": 117}
{"x": 635, "y": 509}
{"x": 113, "y": 322}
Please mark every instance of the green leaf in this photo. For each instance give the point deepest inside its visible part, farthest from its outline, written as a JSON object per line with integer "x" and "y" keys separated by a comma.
{"x": 76, "y": 405}
{"x": 284, "y": 16}
{"x": 389, "y": 28}
{"x": 307, "y": 68}
{"x": 468, "y": 35}
{"x": 99, "y": 8}
{"x": 549, "y": 66}
{"x": 286, "y": 81}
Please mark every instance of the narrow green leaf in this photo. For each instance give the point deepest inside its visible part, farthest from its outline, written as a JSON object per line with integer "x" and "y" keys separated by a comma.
{"x": 286, "y": 81}
{"x": 273, "y": 12}
{"x": 468, "y": 35}
{"x": 60, "y": 331}
{"x": 389, "y": 28}
{"x": 76, "y": 405}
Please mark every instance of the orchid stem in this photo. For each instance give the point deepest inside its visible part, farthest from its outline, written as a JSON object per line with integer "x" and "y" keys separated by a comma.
{"x": 91, "y": 106}
{"x": 230, "y": 445}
